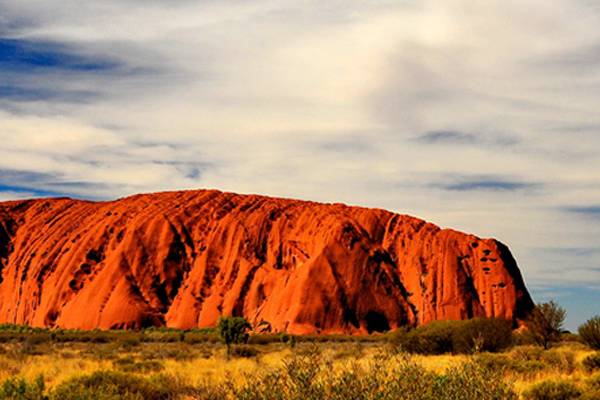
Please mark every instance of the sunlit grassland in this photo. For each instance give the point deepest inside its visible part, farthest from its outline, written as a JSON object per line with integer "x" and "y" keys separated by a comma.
{"x": 206, "y": 363}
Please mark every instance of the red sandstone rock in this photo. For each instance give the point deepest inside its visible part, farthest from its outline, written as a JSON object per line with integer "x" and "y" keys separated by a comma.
{"x": 181, "y": 259}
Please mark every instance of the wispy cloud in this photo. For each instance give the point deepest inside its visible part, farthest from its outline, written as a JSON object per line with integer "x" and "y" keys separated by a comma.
{"x": 396, "y": 104}
{"x": 446, "y": 137}
{"x": 450, "y": 137}
{"x": 484, "y": 183}
{"x": 22, "y": 55}
{"x": 584, "y": 211}
{"x": 18, "y": 93}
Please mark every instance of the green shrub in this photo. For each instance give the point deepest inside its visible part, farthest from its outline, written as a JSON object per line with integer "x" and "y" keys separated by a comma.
{"x": 503, "y": 362}
{"x": 109, "y": 385}
{"x": 433, "y": 338}
{"x": 592, "y": 362}
{"x": 310, "y": 377}
{"x": 130, "y": 365}
{"x": 592, "y": 388}
{"x": 481, "y": 334}
{"x": 207, "y": 390}
{"x": 523, "y": 338}
{"x": 243, "y": 351}
{"x": 397, "y": 336}
{"x": 491, "y": 361}
{"x": 163, "y": 336}
{"x": 233, "y": 330}
{"x": 569, "y": 337}
{"x": 108, "y": 351}
{"x": 594, "y": 381}
{"x": 545, "y": 323}
{"x": 560, "y": 360}
{"x": 165, "y": 351}
{"x": 266, "y": 338}
{"x": 530, "y": 359}
{"x": 129, "y": 343}
{"x": 20, "y": 389}
{"x": 552, "y": 390}
{"x": 468, "y": 336}
{"x": 471, "y": 381}
{"x": 589, "y": 332}
{"x": 201, "y": 337}
{"x": 526, "y": 353}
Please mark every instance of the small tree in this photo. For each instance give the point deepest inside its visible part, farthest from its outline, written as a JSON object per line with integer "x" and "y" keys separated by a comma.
{"x": 233, "y": 330}
{"x": 590, "y": 332}
{"x": 545, "y": 323}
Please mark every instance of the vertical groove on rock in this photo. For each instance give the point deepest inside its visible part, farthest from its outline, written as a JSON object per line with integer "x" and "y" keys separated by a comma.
{"x": 181, "y": 259}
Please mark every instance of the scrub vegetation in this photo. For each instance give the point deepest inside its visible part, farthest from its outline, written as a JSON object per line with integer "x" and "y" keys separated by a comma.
{"x": 475, "y": 359}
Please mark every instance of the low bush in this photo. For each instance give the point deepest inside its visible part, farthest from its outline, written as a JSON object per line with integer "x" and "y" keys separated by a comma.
{"x": 526, "y": 353}
{"x": 163, "y": 336}
{"x": 175, "y": 351}
{"x": 560, "y": 360}
{"x": 433, "y": 338}
{"x": 108, "y": 385}
{"x": 470, "y": 381}
{"x": 268, "y": 338}
{"x": 352, "y": 351}
{"x": 102, "y": 351}
{"x": 503, "y": 362}
{"x": 589, "y": 332}
{"x": 552, "y": 390}
{"x": 481, "y": 334}
{"x": 201, "y": 337}
{"x": 475, "y": 335}
{"x": 593, "y": 384}
{"x": 129, "y": 343}
{"x": 592, "y": 388}
{"x": 398, "y": 377}
{"x": 131, "y": 365}
{"x": 20, "y": 389}
{"x": 592, "y": 362}
{"x": 498, "y": 362}
{"x": 241, "y": 350}
{"x": 531, "y": 359}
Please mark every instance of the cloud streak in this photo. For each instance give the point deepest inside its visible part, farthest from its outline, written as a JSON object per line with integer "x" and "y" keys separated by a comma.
{"x": 496, "y": 184}
{"x": 451, "y": 137}
{"x": 584, "y": 211}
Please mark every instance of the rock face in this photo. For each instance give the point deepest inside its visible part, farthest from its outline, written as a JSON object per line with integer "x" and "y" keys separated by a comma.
{"x": 182, "y": 259}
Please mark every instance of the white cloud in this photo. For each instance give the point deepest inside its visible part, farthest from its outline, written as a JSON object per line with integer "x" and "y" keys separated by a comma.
{"x": 324, "y": 101}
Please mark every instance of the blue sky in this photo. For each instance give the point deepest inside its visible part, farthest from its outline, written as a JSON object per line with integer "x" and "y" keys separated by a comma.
{"x": 478, "y": 116}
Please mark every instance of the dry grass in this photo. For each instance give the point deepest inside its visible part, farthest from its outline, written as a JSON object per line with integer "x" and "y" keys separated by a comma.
{"x": 198, "y": 364}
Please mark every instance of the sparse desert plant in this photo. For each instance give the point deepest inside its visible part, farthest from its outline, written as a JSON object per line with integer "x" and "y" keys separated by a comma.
{"x": 474, "y": 335}
{"x": 545, "y": 323}
{"x": 433, "y": 338}
{"x": 526, "y": 353}
{"x": 592, "y": 362}
{"x": 472, "y": 381}
{"x": 233, "y": 330}
{"x": 553, "y": 390}
{"x": 589, "y": 332}
{"x": 128, "y": 364}
{"x": 592, "y": 388}
{"x": 109, "y": 385}
{"x": 531, "y": 359}
{"x": 244, "y": 351}
{"x": 560, "y": 360}
{"x": 20, "y": 389}
{"x": 310, "y": 377}
{"x": 481, "y": 334}
{"x": 497, "y": 362}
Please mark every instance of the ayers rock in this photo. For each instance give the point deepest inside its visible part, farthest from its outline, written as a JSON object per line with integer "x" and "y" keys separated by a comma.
{"x": 182, "y": 259}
